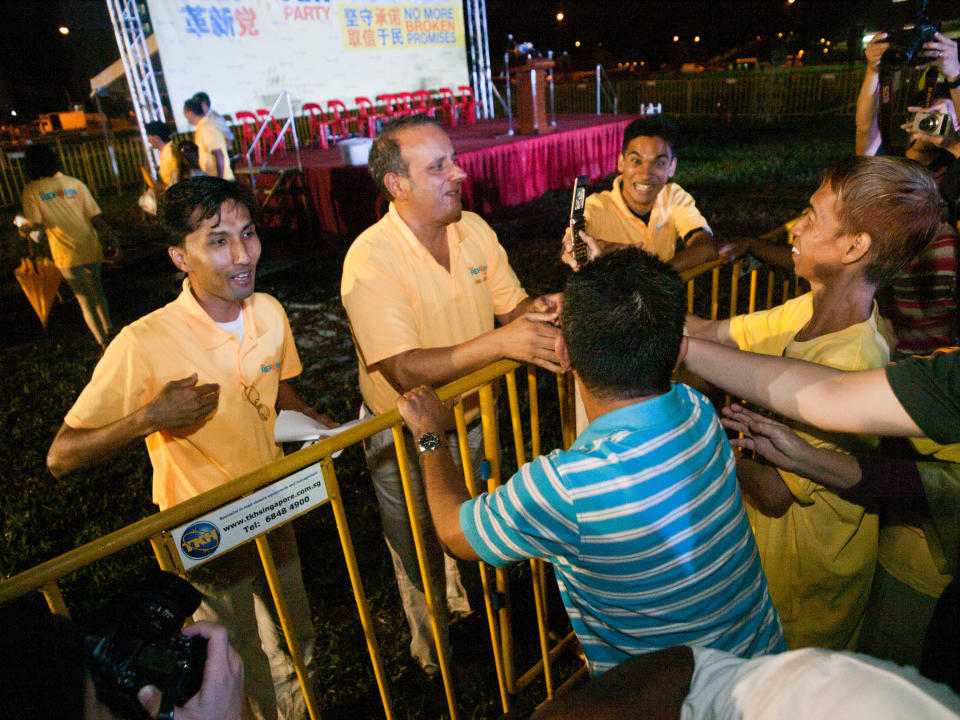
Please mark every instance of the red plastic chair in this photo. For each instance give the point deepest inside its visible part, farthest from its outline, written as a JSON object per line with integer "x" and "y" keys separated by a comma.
{"x": 389, "y": 103}
{"x": 317, "y": 124}
{"x": 468, "y": 106}
{"x": 368, "y": 116}
{"x": 423, "y": 104}
{"x": 250, "y": 124}
{"x": 450, "y": 104}
{"x": 272, "y": 131}
{"x": 339, "y": 120}
{"x": 405, "y": 103}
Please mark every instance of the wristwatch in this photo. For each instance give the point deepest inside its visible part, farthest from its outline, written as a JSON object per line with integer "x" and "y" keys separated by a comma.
{"x": 430, "y": 441}
{"x": 952, "y": 84}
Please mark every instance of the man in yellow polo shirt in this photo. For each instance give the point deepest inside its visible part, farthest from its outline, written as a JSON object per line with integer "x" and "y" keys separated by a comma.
{"x": 819, "y": 551}
{"x": 64, "y": 207}
{"x": 431, "y": 297}
{"x": 214, "y": 155}
{"x": 202, "y": 380}
{"x": 159, "y": 137}
{"x": 644, "y": 208}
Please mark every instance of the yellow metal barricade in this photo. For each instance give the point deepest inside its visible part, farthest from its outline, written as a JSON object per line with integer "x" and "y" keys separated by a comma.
{"x": 157, "y": 528}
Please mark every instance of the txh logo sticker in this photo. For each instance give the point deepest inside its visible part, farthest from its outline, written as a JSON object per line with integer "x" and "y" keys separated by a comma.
{"x": 200, "y": 540}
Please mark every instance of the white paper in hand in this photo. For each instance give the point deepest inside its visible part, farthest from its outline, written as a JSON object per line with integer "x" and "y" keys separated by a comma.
{"x": 293, "y": 426}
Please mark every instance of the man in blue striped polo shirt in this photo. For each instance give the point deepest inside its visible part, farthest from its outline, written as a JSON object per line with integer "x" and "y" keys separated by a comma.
{"x": 642, "y": 518}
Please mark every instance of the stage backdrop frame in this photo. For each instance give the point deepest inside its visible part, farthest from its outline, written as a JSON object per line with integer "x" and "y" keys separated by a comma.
{"x": 243, "y": 53}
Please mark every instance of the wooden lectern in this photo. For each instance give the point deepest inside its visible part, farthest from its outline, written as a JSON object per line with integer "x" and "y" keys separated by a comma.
{"x": 532, "y": 96}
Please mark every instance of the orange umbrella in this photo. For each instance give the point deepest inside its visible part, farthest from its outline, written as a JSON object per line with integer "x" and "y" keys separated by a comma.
{"x": 40, "y": 281}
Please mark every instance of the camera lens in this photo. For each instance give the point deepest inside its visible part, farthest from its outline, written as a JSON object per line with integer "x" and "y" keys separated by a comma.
{"x": 928, "y": 124}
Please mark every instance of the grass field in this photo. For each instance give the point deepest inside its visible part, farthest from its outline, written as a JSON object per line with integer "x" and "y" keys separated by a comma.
{"x": 745, "y": 179}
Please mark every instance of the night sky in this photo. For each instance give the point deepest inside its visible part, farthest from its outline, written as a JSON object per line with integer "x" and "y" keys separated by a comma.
{"x": 42, "y": 68}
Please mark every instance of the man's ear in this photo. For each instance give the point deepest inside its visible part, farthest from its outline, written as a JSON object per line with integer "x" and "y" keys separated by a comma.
{"x": 682, "y": 353}
{"x": 673, "y": 167}
{"x": 394, "y": 185}
{"x": 563, "y": 353}
{"x": 620, "y": 163}
{"x": 857, "y": 248}
{"x": 178, "y": 256}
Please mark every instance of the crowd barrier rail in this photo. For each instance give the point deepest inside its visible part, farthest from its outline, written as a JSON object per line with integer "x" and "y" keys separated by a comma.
{"x": 157, "y": 528}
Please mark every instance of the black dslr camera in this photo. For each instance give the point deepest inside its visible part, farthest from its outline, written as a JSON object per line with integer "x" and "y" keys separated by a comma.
{"x": 907, "y": 42}
{"x": 137, "y": 642}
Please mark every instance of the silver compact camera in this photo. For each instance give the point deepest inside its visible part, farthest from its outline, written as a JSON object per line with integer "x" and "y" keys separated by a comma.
{"x": 930, "y": 123}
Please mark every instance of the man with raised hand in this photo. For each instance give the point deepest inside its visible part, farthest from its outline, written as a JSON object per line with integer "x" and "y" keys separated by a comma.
{"x": 202, "y": 380}
{"x": 644, "y": 209}
{"x": 431, "y": 297}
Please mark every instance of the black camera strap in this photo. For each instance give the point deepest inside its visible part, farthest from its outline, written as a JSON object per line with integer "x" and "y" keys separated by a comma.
{"x": 885, "y": 118}
{"x": 926, "y": 87}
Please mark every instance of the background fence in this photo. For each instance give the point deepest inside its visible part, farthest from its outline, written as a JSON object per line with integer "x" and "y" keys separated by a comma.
{"x": 763, "y": 95}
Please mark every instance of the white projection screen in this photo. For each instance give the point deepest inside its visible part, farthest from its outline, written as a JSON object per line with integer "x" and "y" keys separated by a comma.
{"x": 243, "y": 53}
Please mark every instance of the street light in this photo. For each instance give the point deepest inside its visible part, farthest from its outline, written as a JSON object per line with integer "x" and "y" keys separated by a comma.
{"x": 577, "y": 44}
{"x": 64, "y": 30}
{"x": 559, "y": 17}
{"x": 676, "y": 38}
{"x": 696, "y": 38}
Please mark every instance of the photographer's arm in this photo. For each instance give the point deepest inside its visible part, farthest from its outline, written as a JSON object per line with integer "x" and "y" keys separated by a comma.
{"x": 868, "y": 129}
{"x": 943, "y": 54}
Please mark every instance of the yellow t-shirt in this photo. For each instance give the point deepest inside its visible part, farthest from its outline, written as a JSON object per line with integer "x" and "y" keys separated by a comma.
{"x": 169, "y": 165}
{"x": 904, "y": 551}
{"x": 819, "y": 558}
{"x": 399, "y": 298}
{"x": 674, "y": 214}
{"x": 208, "y": 138}
{"x": 64, "y": 206}
{"x": 172, "y": 343}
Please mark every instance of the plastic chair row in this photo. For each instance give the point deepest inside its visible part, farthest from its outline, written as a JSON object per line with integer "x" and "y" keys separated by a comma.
{"x": 327, "y": 126}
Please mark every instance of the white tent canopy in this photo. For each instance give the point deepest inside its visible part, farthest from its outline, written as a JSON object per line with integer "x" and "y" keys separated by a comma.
{"x": 114, "y": 71}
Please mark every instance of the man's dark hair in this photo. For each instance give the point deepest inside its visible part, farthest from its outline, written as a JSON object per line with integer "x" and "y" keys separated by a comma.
{"x": 385, "y": 154}
{"x": 193, "y": 105}
{"x": 160, "y": 129}
{"x": 191, "y": 201}
{"x": 40, "y": 161}
{"x": 623, "y": 317}
{"x": 659, "y": 126}
{"x": 202, "y": 97}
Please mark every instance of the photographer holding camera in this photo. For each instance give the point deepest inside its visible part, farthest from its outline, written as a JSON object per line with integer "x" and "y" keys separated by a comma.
{"x": 922, "y": 300}
{"x": 48, "y": 673}
{"x": 939, "y": 53}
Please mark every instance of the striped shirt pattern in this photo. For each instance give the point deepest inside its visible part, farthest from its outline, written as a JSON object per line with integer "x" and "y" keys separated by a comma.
{"x": 644, "y": 523}
{"x": 925, "y": 298}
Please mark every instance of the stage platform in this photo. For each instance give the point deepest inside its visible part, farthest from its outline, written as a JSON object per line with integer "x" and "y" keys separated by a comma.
{"x": 502, "y": 170}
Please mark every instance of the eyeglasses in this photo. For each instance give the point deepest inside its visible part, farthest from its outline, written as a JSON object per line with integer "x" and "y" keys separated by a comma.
{"x": 252, "y": 395}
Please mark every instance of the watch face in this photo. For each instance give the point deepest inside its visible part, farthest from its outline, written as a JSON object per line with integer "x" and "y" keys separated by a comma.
{"x": 430, "y": 441}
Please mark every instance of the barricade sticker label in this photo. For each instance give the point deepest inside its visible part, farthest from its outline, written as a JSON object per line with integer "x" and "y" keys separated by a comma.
{"x": 242, "y": 520}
